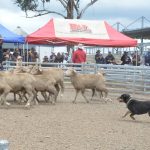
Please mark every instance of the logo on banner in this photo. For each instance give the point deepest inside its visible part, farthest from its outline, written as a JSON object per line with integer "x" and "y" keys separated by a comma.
{"x": 79, "y": 28}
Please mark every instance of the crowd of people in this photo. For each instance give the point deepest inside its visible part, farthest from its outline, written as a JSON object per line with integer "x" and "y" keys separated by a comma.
{"x": 16, "y": 55}
{"x": 126, "y": 59}
{"x": 30, "y": 56}
{"x": 78, "y": 56}
{"x": 57, "y": 58}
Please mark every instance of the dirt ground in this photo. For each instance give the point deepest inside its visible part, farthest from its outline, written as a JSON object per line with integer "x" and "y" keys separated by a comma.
{"x": 68, "y": 126}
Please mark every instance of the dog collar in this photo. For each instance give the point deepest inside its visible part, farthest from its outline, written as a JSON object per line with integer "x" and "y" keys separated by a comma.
{"x": 129, "y": 100}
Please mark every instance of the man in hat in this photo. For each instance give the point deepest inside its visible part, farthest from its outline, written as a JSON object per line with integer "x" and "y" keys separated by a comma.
{"x": 1, "y": 53}
{"x": 33, "y": 55}
{"x": 110, "y": 59}
{"x": 99, "y": 57}
{"x": 79, "y": 56}
{"x": 125, "y": 58}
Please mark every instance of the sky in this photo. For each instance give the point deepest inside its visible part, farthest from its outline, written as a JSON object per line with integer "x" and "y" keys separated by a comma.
{"x": 123, "y": 11}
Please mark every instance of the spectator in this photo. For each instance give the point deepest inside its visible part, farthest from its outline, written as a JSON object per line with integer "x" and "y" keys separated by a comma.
{"x": 59, "y": 58}
{"x": 99, "y": 58}
{"x": 6, "y": 55}
{"x": 136, "y": 59}
{"x": 1, "y": 53}
{"x": 45, "y": 59}
{"x": 19, "y": 62}
{"x": 66, "y": 58}
{"x": 33, "y": 55}
{"x": 125, "y": 58}
{"x": 52, "y": 57}
{"x": 79, "y": 56}
{"x": 147, "y": 57}
{"x": 25, "y": 57}
{"x": 110, "y": 59}
{"x": 16, "y": 54}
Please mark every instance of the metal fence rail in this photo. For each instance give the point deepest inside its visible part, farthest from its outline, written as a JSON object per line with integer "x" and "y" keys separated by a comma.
{"x": 119, "y": 78}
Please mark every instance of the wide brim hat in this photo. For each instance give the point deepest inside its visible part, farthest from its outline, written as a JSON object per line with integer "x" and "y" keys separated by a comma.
{"x": 98, "y": 51}
{"x": 80, "y": 46}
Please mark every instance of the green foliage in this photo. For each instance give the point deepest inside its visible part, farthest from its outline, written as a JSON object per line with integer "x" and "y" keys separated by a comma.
{"x": 26, "y": 5}
{"x": 71, "y": 7}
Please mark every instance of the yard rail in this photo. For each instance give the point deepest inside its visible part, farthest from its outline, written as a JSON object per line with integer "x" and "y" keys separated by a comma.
{"x": 119, "y": 78}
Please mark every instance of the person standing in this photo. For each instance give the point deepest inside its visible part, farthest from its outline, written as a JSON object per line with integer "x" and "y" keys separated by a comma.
{"x": 33, "y": 55}
{"x": 99, "y": 58}
{"x": 52, "y": 57}
{"x": 125, "y": 59}
{"x": 136, "y": 59}
{"x": 16, "y": 54}
{"x": 110, "y": 59}
{"x": 59, "y": 58}
{"x": 79, "y": 56}
{"x": 1, "y": 53}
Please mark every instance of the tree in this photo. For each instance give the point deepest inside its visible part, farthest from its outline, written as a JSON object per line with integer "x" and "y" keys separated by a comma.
{"x": 72, "y": 8}
{"x": 40, "y": 7}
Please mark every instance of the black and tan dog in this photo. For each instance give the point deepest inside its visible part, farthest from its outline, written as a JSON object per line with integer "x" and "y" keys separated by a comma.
{"x": 135, "y": 107}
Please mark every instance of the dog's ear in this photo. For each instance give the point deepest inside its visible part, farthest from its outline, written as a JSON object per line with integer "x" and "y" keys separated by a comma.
{"x": 126, "y": 97}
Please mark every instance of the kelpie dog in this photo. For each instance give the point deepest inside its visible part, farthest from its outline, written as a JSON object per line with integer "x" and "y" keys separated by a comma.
{"x": 135, "y": 107}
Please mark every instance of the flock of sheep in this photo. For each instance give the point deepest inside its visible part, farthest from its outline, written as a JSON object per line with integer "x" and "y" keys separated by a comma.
{"x": 28, "y": 81}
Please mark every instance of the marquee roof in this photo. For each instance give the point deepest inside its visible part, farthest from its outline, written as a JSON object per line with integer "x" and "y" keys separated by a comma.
{"x": 73, "y": 31}
{"x": 10, "y": 37}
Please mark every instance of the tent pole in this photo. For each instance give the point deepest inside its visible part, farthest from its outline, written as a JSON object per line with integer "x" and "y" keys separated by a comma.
{"x": 27, "y": 54}
{"x": 39, "y": 60}
{"x": 23, "y": 54}
{"x": 52, "y": 49}
{"x": 136, "y": 58}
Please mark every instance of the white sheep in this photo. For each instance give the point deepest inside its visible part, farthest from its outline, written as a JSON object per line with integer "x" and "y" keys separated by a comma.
{"x": 56, "y": 73}
{"x": 87, "y": 81}
{"x": 18, "y": 82}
